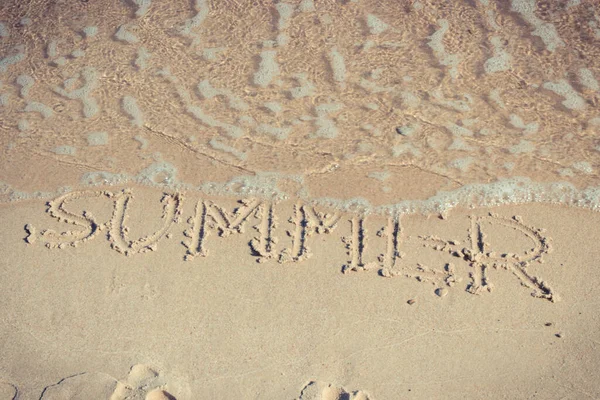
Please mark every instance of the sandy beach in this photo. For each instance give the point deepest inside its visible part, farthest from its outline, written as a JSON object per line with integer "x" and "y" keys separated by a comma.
{"x": 303, "y": 200}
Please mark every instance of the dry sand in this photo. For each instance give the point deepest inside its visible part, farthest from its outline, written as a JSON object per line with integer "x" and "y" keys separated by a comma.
{"x": 299, "y": 200}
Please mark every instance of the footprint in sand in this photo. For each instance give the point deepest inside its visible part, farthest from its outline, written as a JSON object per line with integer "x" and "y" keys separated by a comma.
{"x": 327, "y": 391}
{"x": 159, "y": 394}
{"x": 142, "y": 383}
{"x": 8, "y": 391}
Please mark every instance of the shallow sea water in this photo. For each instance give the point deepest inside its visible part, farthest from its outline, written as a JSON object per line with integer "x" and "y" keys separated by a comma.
{"x": 485, "y": 102}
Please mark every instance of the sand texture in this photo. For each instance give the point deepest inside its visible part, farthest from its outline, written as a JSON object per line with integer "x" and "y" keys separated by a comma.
{"x": 298, "y": 199}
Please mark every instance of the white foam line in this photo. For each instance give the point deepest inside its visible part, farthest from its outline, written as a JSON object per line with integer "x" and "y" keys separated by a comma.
{"x": 510, "y": 191}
